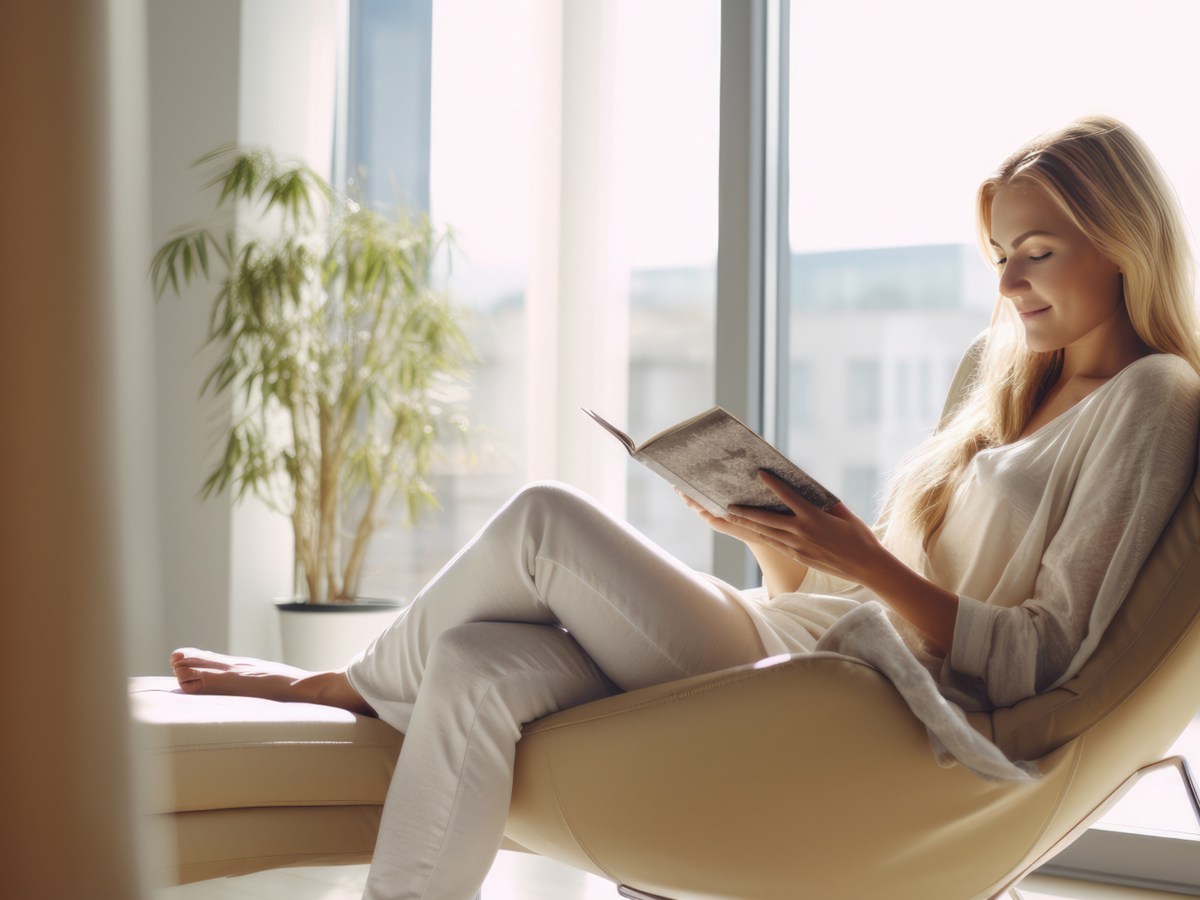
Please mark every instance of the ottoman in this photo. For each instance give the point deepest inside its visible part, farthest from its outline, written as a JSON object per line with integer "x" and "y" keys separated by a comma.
{"x": 255, "y": 784}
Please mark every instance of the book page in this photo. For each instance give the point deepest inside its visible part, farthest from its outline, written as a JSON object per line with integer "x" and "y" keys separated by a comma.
{"x": 612, "y": 429}
{"x": 720, "y": 456}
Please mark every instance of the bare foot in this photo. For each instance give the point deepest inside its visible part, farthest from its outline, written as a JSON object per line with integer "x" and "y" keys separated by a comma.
{"x": 205, "y": 672}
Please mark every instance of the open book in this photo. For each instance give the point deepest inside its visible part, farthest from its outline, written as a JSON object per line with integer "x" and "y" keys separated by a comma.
{"x": 714, "y": 458}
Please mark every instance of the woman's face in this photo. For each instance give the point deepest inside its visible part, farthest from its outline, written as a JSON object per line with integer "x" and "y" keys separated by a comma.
{"x": 1064, "y": 290}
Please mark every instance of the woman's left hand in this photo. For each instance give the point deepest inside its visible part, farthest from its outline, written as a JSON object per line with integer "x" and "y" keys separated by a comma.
{"x": 834, "y": 541}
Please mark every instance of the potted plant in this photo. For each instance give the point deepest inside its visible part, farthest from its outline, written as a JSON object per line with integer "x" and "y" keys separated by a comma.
{"x": 345, "y": 358}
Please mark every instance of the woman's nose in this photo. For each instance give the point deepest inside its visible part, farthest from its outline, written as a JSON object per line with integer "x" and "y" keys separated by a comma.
{"x": 1013, "y": 282}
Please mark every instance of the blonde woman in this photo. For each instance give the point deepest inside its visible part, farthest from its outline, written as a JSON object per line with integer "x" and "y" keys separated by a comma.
{"x": 1007, "y": 542}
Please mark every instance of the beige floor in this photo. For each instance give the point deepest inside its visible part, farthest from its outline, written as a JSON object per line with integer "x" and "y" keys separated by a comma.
{"x": 515, "y": 876}
{"x": 518, "y": 876}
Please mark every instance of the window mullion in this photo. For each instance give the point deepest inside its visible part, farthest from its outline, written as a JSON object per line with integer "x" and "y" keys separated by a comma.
{"x": 753, "y": 214}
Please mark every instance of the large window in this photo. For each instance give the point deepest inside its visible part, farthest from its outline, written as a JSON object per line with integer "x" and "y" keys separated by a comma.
{"x": 442, "y": 118}
{"x": 576, "y": 162}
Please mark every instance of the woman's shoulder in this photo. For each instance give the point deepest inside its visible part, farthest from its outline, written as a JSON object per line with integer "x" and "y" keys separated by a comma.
{"x": 1161, "y": 387}
{"x": 1157, "y": 372}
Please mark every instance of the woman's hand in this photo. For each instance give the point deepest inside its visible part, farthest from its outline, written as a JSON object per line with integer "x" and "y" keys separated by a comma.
{"x": 834, "y": 541}
{"x": 781, "y": 573}
{"x": 840, "y": 543}
{"x": 723, "y": 526}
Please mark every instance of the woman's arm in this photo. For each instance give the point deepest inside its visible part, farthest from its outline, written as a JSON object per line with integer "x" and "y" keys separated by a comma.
{"x": 781, "y": 575}
{"x": 838, "y": 542}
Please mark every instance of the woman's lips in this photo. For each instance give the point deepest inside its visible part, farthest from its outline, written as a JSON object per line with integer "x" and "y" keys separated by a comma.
{"x": 1030, "y": 313}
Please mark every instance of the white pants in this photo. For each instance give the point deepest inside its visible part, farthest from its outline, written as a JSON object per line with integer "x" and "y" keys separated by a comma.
{"x": 554, "y": 603}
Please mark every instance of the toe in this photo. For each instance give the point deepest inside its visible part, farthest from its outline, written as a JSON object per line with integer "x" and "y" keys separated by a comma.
{"x": 182, "y": 655}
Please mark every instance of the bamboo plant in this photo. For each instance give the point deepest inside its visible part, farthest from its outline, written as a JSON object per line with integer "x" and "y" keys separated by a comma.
{"x": 345, "y": 357}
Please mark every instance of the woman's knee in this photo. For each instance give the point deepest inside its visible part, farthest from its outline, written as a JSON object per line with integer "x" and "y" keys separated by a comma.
{"x": 462, "y": 648}
{"x": 550, "y": 495}
{"x": 513, "y": 670}
{"x": 496, "y": 650}
{"x": 491, "y": 651}
{"x": 553, "y": 505}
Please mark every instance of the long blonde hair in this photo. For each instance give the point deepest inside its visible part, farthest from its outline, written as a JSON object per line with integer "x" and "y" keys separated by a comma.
{"x": 1105, "y": 180}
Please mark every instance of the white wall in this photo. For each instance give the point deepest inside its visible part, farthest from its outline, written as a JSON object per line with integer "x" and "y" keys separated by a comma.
{"x": 286, "y": 90}
{"x": 193, "y": 77}
{"x": 255, "y": 72}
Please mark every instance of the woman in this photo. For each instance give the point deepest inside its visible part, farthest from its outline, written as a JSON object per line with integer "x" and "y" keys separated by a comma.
{"x": 1007, "y": 541}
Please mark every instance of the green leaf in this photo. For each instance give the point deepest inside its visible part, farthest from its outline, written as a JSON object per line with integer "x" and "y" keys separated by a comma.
{"x": 325, "y": 316}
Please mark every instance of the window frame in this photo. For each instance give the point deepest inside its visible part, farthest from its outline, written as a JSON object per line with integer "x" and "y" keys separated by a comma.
{"x": 753, "y": 233}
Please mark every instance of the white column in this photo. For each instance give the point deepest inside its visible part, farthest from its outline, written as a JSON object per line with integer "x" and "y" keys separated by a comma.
{"x": 286, "y": 101}
{"x": 193, "y": 78}
{"x": 542, "y": 292}
{"x": 224, "y": 71}
{"x": 579, "y": 294}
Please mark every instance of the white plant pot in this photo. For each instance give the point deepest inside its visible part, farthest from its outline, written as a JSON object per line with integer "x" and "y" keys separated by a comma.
{"x": 324, "y": 636}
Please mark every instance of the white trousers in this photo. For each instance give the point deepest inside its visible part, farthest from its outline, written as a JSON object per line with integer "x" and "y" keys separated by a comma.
{"x": 554, "y": 603}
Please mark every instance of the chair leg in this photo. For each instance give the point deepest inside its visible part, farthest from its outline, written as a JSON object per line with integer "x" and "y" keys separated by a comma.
{"x": 1190, "y": 785}
{"x": 1189, "y": 782}
{"x": 634, "y": 894}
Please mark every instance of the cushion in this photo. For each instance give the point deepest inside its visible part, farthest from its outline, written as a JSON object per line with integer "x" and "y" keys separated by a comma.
{"x": 238, "y": 752}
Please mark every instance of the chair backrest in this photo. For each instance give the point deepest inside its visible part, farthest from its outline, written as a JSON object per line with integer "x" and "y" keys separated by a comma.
{"x": 1159, "y": 618}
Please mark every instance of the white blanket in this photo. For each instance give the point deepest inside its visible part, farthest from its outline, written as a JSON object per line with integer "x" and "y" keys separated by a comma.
{"x": 866, "y": 634}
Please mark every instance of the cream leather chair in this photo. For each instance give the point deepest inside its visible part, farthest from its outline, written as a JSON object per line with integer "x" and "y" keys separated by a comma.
{"x": 795, "y": 777}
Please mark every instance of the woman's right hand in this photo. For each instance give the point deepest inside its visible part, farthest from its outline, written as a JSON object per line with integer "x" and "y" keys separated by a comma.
{"x": 723, "y": 526}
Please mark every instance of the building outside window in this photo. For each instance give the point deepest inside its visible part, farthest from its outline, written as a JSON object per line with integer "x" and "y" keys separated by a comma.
{"x": 863, "y": 384}
{"x": 860, "y": 490}
{"x": 800, "y": 395}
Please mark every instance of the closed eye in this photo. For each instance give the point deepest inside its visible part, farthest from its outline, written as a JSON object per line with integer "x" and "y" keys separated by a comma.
{"x": 1046, "y": 255}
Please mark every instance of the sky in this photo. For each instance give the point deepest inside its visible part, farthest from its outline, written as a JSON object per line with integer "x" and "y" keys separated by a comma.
{"x": 897, "y": 116}
{"x": 897, "y": 110}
